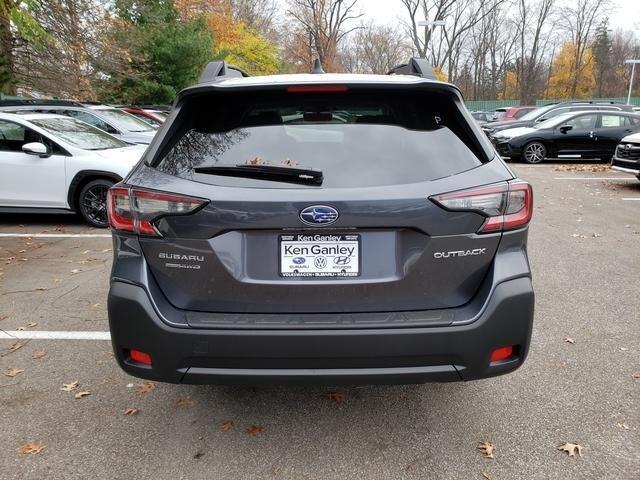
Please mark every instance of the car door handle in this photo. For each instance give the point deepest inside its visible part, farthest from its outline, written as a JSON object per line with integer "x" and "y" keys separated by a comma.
{"x": 591, "y": 134}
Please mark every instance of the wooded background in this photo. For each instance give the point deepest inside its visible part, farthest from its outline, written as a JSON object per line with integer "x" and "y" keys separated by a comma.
{"x": 145, "y": 51}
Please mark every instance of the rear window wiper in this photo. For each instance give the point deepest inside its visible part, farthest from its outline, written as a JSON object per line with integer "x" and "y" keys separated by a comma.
{"x": 304, "y": 176}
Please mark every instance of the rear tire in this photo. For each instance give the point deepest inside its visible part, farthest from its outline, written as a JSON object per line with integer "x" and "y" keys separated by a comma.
{"x": 534, "y": 152}
{"x": 92, "y": 202}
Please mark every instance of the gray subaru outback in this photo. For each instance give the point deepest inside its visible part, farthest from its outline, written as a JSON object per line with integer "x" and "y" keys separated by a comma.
{"x": 320, "y": 228}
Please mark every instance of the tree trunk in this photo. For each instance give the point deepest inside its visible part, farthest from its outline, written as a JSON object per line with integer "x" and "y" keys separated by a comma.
{"x": 7, "y": 73}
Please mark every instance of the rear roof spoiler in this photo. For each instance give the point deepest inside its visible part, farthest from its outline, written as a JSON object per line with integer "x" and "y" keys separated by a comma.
{"x": 219, "y": 70}
{"x": 415, "y": 66}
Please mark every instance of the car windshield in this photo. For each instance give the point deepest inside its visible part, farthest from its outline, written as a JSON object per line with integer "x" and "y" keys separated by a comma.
{"x": 555, "y": 121}
{"x": 78, "y": 134}
{"x": 125, "y": 120}
{"x": 537, "y": 113}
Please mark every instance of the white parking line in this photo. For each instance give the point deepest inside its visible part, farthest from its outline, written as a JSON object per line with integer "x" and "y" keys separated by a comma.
{"x": 624, "y": 179}
{"x": 52, "y": 335}
{"x": 631, "y": 199}
{"x": 55, "y": 235}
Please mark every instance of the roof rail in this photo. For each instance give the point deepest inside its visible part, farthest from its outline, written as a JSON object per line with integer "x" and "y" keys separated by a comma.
{"x": 39, "y": 102}
{"x": 415, "y": 66}
{"x": 219, "y": 70}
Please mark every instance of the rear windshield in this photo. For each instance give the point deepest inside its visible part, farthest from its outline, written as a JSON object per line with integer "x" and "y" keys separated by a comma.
{"x": 355, "y": 141}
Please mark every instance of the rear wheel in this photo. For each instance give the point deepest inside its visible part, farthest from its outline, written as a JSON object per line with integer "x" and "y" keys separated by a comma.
{"x": 534, "y": 152}
{"x": 92, "y": 202}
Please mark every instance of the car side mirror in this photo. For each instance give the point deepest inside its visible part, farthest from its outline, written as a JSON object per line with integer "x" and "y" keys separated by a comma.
{"x": 36, "y": 148}
{"x": 566, "y": 128}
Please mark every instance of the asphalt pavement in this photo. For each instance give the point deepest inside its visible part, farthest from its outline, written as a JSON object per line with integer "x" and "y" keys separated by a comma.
{"x": 580, "y": 383}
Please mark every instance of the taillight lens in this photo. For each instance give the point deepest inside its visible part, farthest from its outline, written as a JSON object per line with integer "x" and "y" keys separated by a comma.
{"x": 134, "y": 210}
{"x": 507, "y": 205}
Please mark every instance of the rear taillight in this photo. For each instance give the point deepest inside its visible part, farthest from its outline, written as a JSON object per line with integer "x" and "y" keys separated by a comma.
{"x": 134, "y": 210}
{"x": 507, "y": 205}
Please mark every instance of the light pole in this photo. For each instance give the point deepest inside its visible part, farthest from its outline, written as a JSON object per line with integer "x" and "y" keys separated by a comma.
{"x": 633, "y": 71}
{"x": 433, "y": 25}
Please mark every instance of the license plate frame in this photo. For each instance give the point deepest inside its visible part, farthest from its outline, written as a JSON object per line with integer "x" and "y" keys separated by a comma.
{"x": 330, "y": 246}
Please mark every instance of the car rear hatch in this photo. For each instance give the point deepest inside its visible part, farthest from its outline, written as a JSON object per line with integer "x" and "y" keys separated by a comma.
{"x": 368, "y": 238}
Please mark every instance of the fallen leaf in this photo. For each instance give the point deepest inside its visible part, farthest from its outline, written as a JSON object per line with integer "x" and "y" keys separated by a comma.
{"x": 185, "y": 402}
{"x": 14, "y": 347}
{"x": 41, "y": 289}
{"x": 227, "y": 425}
{"x": 486, "y": 475}
{"x": 79, "y": 395}
{"x": 636, "y": 375}
{"x": 85, "y": 252}
{"x": 32, "y": 324}
{"x": 96, "y": 305}
{"x": 623, "y": 425}
{"x": 337, "y": 397}
{"x": 623, "y": 349}
{"x": 31, "y": 447}
{"x": 198, "y": 454}
{"x": 75, "y": 270}
{"x": 569, "y": 340}
{"x": 12, "y": 372}
{"x": 254, "y": 430}
{"x": 571, "y": 449}
{"x": 70, "y": 387}
{"x": 21, "y": 251}
{"x": 106, "y": 250}
{"x": 487, "y": 449}
{"x": 57, "y": 280}
{"x": 144, "y": 388}
{"x": 131, "y": 411}
{"x": 276, "y": 470}
{"x": 38, "y": 354}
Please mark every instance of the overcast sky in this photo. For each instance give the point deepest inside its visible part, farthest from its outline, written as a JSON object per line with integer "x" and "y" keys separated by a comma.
{"x": 624, "y": 14}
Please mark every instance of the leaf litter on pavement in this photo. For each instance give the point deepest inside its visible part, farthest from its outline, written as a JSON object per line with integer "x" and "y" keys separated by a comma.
{"x": 571, "y": 449}
{"x": 31, "y": 447}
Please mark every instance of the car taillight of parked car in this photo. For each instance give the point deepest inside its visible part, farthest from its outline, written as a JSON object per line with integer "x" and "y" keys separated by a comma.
{"x": 135, "y": 210}
{"x": 507, "y": 206}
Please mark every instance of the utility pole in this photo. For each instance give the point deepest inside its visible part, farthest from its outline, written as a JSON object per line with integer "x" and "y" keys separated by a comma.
{"x": 633, "y": 72}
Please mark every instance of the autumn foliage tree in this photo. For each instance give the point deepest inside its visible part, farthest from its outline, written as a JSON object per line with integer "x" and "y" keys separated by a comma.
{"x": 563, "y": 82}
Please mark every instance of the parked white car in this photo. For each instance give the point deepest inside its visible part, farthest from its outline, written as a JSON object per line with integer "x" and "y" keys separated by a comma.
{"x": 112, "y": 120}
{"x": 627, "y": 156}
{"x": 52, "y": 163}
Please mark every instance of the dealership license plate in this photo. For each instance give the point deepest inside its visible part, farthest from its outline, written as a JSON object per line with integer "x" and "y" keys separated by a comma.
{"x": 319, "y": 255}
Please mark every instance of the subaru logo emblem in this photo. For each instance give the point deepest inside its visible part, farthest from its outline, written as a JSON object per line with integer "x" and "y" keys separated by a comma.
{"x": 318, "y": 215}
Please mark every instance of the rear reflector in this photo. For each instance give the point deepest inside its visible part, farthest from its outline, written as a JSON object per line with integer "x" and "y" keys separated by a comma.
{"x": 317, "y": 88}
{"x": 501, "y": 353}
{"x": 140, "y": 357}
{"x": 134, "y": 210}
{"x": 507, "y": 205}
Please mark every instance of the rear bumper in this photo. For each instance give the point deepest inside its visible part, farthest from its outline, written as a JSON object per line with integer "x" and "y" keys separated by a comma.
{"x": 344, "y": 356}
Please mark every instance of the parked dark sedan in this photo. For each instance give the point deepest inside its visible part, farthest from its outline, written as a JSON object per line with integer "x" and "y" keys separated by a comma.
{"x": 547, "y": 112}
{"x": 584, "y": 135}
